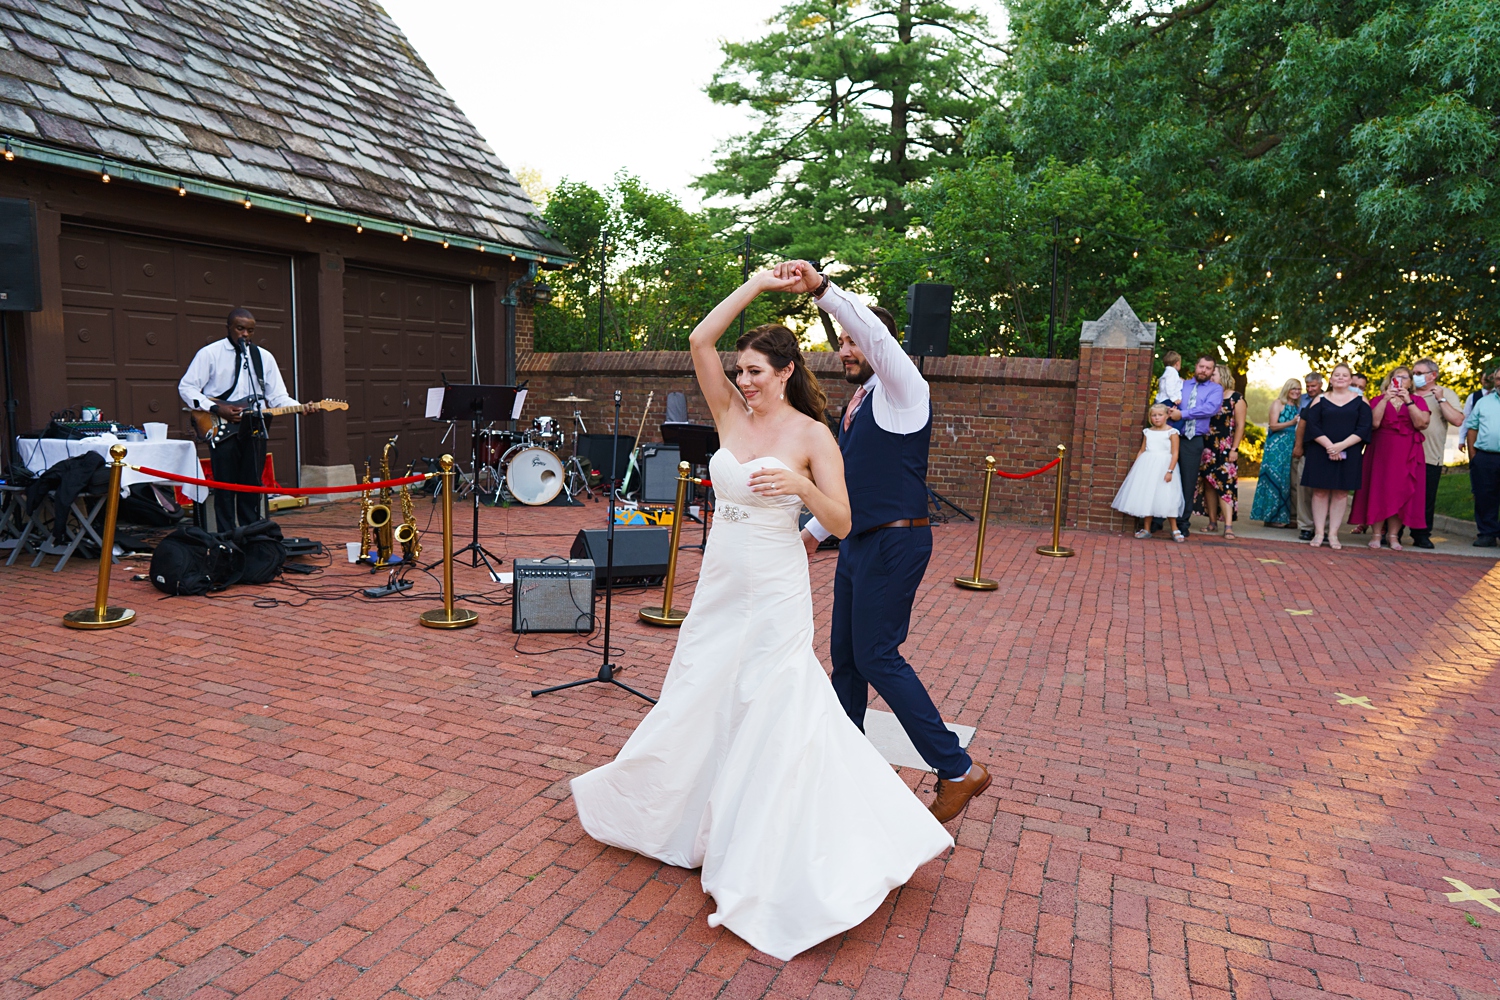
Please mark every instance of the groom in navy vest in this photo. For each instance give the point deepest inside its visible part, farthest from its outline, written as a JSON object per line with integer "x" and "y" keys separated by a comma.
{"x": 884, "y": 436}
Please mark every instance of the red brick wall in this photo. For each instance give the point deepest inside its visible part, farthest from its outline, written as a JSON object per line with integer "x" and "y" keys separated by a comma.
{"x": 1016, "y": 409}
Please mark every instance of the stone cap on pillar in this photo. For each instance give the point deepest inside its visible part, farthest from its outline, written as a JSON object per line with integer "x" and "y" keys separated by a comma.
{"x": 1118, "y": 327}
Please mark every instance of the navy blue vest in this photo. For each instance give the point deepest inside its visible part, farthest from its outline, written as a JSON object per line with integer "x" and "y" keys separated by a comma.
{"x": 886, "y": 473}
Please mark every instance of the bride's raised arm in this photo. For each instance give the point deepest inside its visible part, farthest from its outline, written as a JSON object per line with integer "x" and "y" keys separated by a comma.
{"x": 721, "y": 395}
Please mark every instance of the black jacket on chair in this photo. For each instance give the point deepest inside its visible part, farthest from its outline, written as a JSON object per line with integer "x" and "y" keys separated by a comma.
{"x": 66, "y": 480}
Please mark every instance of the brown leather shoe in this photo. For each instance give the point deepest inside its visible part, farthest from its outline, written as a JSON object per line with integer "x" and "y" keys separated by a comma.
{"x": 952, "y": 796}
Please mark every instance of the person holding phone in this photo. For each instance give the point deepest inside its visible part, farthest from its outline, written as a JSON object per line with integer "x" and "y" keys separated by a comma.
{"x": 1393, "y": 486}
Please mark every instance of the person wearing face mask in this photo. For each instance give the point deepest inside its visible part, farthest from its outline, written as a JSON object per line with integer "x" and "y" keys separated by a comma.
{"x": 1443, "y": 403}
{"x": 1338, "y": 425}
{"x": 748, "y": 766}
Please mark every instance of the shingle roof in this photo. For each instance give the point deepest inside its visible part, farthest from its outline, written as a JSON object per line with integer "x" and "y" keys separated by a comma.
{"x": 323, "y": 101}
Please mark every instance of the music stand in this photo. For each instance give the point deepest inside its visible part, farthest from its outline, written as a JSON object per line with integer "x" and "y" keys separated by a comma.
{"x": 606, "y": 674}
{"x": 478, "y": 404}
{"x": 695, "y": 443}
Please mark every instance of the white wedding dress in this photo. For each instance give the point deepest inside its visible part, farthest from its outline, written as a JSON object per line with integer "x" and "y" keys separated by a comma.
{"x": 748, "y": 766}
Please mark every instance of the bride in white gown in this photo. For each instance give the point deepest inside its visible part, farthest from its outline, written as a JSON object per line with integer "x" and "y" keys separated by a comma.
{"x": 748, "y": 765}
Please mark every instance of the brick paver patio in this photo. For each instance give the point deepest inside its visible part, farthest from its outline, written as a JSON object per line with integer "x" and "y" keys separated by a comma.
{"x": 1221, "y": 770}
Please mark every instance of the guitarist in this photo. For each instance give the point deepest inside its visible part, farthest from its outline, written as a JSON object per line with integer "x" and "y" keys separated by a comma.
{"x": 236, "y": 369}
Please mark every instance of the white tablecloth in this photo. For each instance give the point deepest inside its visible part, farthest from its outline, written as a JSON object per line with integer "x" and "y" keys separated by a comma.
{"x": 176, "y": 456}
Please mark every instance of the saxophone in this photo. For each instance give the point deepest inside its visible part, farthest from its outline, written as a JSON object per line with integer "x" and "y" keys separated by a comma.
{"x": 364, "y": 518}
{"x": 407, "y": 535}
{"x": 378, "y": 515}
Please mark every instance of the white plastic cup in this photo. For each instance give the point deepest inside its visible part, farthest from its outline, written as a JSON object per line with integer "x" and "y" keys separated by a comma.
{"x": 353, "y": 548}
{"x": 155, "y": 431}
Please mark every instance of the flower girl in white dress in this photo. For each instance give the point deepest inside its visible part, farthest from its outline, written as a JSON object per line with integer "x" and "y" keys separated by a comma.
{"x": 1151, "y": 490}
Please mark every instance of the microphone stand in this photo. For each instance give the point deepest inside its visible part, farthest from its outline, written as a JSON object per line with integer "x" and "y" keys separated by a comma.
{"x": 607, "y": 669}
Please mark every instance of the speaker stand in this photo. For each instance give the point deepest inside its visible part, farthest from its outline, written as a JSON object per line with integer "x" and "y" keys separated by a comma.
{"x": 607, "y": 669}
{"x": 936, "y": 499}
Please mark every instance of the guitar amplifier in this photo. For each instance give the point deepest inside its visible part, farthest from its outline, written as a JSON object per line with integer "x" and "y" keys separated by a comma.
{"x": 659, "y": 473}
{"x": 553, "y": 595}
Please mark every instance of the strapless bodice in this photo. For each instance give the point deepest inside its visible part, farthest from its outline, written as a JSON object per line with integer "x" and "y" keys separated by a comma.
{"x": 736, "y": 503}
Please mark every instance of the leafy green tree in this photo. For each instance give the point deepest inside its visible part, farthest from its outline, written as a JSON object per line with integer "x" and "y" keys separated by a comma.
{"x": 988, "y": 231}
{"x": 856, "y": 99}
{"x": 664, "y": 268}
{"x": 1334, "y": 159}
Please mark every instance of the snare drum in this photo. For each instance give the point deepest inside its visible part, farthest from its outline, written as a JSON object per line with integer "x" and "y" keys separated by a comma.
{"x": 492, "y": 446}
{"x": 547, "y": 432}
{"x": 533, "y": 475}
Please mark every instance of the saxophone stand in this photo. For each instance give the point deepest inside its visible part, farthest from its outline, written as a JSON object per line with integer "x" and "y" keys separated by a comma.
{"x": 607, "y": 669}
{"x": 478, "y": 404}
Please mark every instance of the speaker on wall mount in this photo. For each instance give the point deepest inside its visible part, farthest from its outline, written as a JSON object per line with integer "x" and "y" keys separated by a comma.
{"x": 640, "y": 553}
{"x": 929, "y": 312}
{"x": 20, "y": 275}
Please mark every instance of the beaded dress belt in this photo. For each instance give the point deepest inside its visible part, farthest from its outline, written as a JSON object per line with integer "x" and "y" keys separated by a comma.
{"x": 774, "y": 517}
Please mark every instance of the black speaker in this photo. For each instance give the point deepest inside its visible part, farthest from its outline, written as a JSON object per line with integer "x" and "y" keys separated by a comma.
{"x": 553, "y": 595}
{"x": 640, "y": 553}
{"x": 929, "y": 312}
{"x": 598, "y": 448}
{"x": 659, "y": 472}
{"x": 20, "y": 275}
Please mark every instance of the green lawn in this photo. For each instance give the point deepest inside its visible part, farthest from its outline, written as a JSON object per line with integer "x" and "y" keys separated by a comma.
{"x": 1454, "y": 498}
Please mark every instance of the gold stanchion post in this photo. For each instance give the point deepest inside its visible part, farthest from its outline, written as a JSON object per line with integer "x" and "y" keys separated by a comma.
{"x": 977, "y": 582}
{"x": 449, "y": 616}
{"x": 1056, "y": 549}
{"x": 101, "y": 615}
{"x": 665, "y": 615}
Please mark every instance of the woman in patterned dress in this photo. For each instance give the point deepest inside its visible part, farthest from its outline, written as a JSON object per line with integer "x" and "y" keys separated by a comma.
{"x": 1219, "y": 481}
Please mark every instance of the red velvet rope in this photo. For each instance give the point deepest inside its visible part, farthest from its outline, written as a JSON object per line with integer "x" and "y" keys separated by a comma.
{"x": 1028, "y": 475}
{"x": 287, "y": 490}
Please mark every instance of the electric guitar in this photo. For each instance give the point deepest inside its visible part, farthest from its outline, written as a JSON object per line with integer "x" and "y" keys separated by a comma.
{"x": 212, "y": 428}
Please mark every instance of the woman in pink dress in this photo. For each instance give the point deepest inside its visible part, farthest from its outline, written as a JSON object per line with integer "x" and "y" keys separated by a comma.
{"x": 1393, "y": 489}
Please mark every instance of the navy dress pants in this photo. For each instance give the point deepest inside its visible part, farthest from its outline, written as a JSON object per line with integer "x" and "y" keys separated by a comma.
{"x": 873, "y": 591}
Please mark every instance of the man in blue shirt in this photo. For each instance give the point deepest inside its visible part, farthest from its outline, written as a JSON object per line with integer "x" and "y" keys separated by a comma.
{"x": 1201, "y": 399}
{"x": 1482, "y": 436}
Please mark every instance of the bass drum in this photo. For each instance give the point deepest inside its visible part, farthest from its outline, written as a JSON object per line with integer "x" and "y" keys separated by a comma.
{"x": 534, "y": 476}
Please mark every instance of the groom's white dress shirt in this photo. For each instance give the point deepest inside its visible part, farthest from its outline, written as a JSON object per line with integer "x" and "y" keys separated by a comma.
{"x": 897, "y": 394}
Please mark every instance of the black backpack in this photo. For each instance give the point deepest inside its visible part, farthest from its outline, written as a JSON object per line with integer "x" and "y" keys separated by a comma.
{"x": 263, "y": 551}
{"x": 192, "y": 562}
{"x": 151, "y": 505}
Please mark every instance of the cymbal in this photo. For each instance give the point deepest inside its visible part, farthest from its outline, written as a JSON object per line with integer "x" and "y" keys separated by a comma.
{"x": 571, "y": 399}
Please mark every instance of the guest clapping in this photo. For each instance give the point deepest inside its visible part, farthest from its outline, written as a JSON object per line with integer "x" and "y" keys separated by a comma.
{"x": 1338, "y": 425}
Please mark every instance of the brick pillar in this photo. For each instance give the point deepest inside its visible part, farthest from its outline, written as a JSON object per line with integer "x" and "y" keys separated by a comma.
{"x": 1114, "y": 382}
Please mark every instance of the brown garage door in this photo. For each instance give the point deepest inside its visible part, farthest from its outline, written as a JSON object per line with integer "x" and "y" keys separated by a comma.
{"x": 136, "y": 309}
{"x": 402, "y": 334}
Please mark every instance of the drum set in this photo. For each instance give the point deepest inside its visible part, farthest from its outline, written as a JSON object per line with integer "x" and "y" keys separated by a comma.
{"x": 526, "y": 465}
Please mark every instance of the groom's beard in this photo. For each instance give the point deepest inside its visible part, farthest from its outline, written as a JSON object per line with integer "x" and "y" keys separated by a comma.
{"x": 859, "y": 376}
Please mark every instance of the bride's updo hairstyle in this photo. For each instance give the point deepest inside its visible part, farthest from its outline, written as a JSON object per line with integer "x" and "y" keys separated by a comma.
{"x": 779, "y": 345}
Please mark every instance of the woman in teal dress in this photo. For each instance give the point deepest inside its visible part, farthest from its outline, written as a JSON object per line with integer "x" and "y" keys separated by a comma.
{"x": 1274, "y": 503}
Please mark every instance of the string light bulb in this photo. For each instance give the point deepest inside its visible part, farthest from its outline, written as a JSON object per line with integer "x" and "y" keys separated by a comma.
{"x": 700, "y": 272}
{"x": 10, "y": 154}
{"x": 181, "y": 190}
{"x": 1078, "y": 239}
{"x": 1492, "y": 268}
{"x": 1200, "y": 265}
{"x": 1268, "y": 274}
{"x": 1338, "y": 275}
{"x": 247, "y": 201}
{"x": 512, "y": 257}
{"x": 445, "y": 244}
{"x": 986, "y": 260}
{"x": 1135, "y": 253}
{"x": 307, "y": 215}
{"x": 666, "y": 272}
{"x": 104, "y": 174}
{"x": 481, "y": 248}
{"x": 359, "y": 227}
{"x": 405, "y": 235}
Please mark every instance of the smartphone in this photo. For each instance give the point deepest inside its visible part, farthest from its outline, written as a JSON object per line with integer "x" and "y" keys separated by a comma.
{"x": 1397, "y": 382}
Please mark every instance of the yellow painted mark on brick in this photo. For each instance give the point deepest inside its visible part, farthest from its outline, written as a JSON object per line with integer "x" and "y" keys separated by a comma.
{"x": 1298, "y": 611}
{"x": 1362, "y": 701}
{"x": 1485, "y": 897}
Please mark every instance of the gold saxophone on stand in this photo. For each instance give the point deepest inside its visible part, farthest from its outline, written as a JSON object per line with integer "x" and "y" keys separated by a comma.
{"x": 377, "y": 516}
{"x": 407, "y": 535}
{"x": 364, "y": 519}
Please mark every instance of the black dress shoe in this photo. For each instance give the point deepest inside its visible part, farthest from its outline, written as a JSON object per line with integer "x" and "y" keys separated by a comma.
{"x": 1484, "y": 542}
{"x": 1305, "y": 535}
{"x": 1423, "y": 543}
